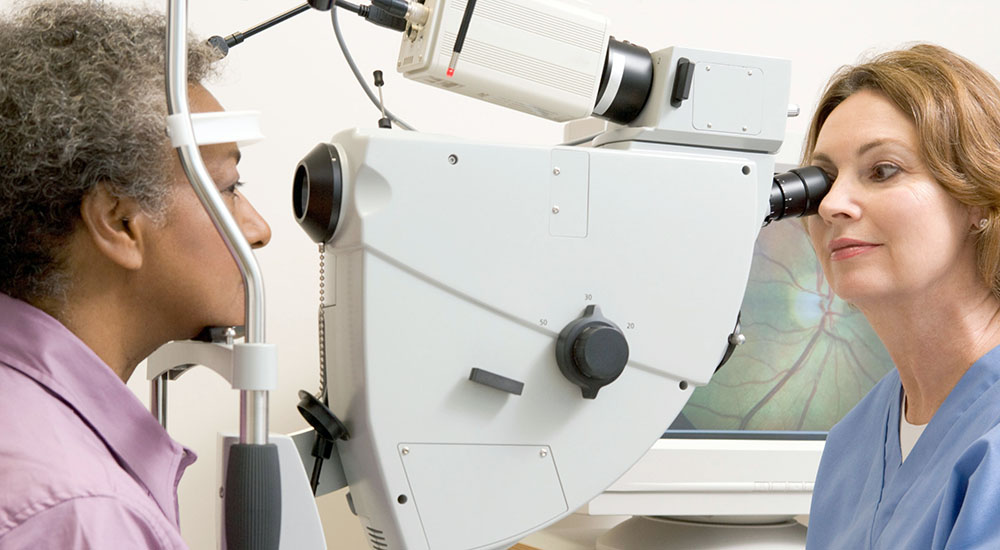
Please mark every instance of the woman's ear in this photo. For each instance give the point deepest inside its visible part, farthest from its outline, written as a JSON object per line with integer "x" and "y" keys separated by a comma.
{"x": 976, "y": 216}
{"x": 116, "y": 225}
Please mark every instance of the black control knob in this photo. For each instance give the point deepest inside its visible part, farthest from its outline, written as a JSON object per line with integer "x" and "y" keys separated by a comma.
{"x": 591, "y": 352}
{"x": 600, "y": 352}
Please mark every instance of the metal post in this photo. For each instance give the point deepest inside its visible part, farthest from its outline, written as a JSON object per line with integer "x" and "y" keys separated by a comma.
{"x": 158, "y": 398}
{"x": 253, "y": 406}
{"x": 253, "y": 481}
{"x": 254, "y": 416}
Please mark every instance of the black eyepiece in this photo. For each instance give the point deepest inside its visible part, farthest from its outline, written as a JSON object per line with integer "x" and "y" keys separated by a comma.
{"x": 317, "y": 191}
{"x": 797, "y": 193}
{"x": 625, "y": 83}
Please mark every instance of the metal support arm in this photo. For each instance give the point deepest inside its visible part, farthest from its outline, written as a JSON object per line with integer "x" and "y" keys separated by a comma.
{"x": 253, "y": 511}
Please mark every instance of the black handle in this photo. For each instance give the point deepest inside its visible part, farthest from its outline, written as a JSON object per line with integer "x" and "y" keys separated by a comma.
{"x": 253, "y": 498}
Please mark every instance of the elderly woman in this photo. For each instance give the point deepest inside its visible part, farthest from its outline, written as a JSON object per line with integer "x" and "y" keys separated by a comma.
{"x": 910, "y": 234}
{"x": 105, "y": 254}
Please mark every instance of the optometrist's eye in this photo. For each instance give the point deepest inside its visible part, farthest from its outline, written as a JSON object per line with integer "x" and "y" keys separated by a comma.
{"x": 883, "y": 171}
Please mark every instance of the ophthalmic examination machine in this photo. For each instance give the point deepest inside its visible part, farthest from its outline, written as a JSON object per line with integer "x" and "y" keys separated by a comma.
{"x": 510, "y": 328}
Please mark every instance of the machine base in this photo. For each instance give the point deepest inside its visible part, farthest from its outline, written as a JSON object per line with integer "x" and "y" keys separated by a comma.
{"x": 656, "y": 533}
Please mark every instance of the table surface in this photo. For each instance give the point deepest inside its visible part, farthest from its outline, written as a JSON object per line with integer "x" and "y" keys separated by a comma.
{"x": 574, "y": 532}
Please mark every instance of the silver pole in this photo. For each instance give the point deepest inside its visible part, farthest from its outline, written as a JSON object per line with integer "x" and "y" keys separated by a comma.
{"x": 253, "y": 404}
{"x": 158, "y": 398}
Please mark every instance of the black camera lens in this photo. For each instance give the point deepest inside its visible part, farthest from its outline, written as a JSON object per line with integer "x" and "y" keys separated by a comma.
{"x": 317, "y": 191}
{"x": 797, "y": 193}
{"x": 625, "y": 83}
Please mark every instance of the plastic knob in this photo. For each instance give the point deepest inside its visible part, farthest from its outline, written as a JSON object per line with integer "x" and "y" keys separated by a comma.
{"x": 600, "y": 352}
{"x": 592, "y": 352}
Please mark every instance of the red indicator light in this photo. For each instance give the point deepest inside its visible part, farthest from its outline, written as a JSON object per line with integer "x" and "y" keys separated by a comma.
{"x": 451, "y": 72}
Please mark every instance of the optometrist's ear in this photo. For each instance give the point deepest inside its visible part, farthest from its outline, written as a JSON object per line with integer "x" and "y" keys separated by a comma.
{"x": 115, "y": 225}
{"x": 978, "y": 219}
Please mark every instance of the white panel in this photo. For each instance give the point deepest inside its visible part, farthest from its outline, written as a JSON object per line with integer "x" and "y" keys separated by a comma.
{"x": 570, "y": 181}
{"x": 455, "y": 515}
{"x": 728, "y": 98}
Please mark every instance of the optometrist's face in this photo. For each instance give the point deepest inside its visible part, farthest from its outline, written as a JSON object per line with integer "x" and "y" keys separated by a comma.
{"x": 200, "y": 284}
{"x": 887, "y": 230}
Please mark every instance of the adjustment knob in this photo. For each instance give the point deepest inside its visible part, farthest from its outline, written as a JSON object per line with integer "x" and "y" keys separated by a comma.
{"x": 591, "y": 352}
{"x": 600, "y": 352}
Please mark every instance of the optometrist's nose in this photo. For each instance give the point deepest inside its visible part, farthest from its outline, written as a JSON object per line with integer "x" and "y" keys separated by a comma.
{"x": 840, "y": 203}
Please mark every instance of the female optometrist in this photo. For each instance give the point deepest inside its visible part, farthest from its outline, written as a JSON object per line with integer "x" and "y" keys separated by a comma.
{"x": 910, "y": 235}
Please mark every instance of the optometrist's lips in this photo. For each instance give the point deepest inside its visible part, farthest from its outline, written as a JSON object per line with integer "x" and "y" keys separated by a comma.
{"x": 844, "y": 248}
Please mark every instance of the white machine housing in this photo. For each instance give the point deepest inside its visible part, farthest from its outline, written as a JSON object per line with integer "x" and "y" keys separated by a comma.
{"x": 542, "y": 60}
{"x": 734, "y": 103}
{"x": 451, "y": 255}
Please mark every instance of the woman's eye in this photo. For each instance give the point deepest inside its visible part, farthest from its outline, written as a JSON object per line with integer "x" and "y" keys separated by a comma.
{"x": 231, "y": 190}
{"x": 884, "y": 171}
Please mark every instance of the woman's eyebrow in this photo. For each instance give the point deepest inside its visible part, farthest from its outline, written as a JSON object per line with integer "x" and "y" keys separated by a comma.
{"x": 821, "y": 157}
{"x": 878, "y": 143}
{"x": 864, "y": 148}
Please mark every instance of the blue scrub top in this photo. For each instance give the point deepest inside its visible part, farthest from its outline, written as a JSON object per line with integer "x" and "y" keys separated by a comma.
{"x": 946, "y": 494}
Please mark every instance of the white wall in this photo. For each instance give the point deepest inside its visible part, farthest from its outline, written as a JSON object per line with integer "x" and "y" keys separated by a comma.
{"x": 296, "y": 76}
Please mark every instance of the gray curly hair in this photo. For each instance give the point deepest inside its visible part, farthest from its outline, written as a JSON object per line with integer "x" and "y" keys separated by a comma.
{"x": 82, "y": 102}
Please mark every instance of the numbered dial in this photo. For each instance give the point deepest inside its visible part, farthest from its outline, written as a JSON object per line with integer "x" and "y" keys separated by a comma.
{"x": 591, "y": 352}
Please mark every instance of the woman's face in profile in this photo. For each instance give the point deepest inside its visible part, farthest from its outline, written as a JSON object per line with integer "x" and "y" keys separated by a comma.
{"x": 886, "y": 230}
{"x": 192, "y": 274}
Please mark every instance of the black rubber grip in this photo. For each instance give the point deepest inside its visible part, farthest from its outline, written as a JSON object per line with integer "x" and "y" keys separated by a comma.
{"x": 253, "y": 498}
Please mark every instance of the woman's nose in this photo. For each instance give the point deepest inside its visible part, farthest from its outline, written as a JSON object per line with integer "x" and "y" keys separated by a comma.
{"x": 255, "y": 228}
{"x": 840, "y": 203}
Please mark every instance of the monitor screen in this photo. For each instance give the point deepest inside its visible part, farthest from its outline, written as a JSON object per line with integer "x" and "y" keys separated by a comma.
{"x": 808, "y": 358}
{"x": 749, "y": 442}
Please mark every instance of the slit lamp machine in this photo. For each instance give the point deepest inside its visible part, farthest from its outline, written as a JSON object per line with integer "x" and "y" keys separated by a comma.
{"x": 508, "y": 328}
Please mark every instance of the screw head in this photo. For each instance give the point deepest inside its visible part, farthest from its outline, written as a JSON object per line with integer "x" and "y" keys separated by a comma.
{"x": 555, "y": 209}
{"x": 745, "y": 128}
{"x": 405, "y": 451}
{"x": 556, "y": 171}
{"x": 452, "y": 159}
{"x": 709, "y": 124}
{"x": 749, "y": 72}
{"x": 543, "y": 453}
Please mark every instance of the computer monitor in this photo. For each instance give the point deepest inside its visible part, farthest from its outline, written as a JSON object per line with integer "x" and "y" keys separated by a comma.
{"x": 746, "y": 447}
